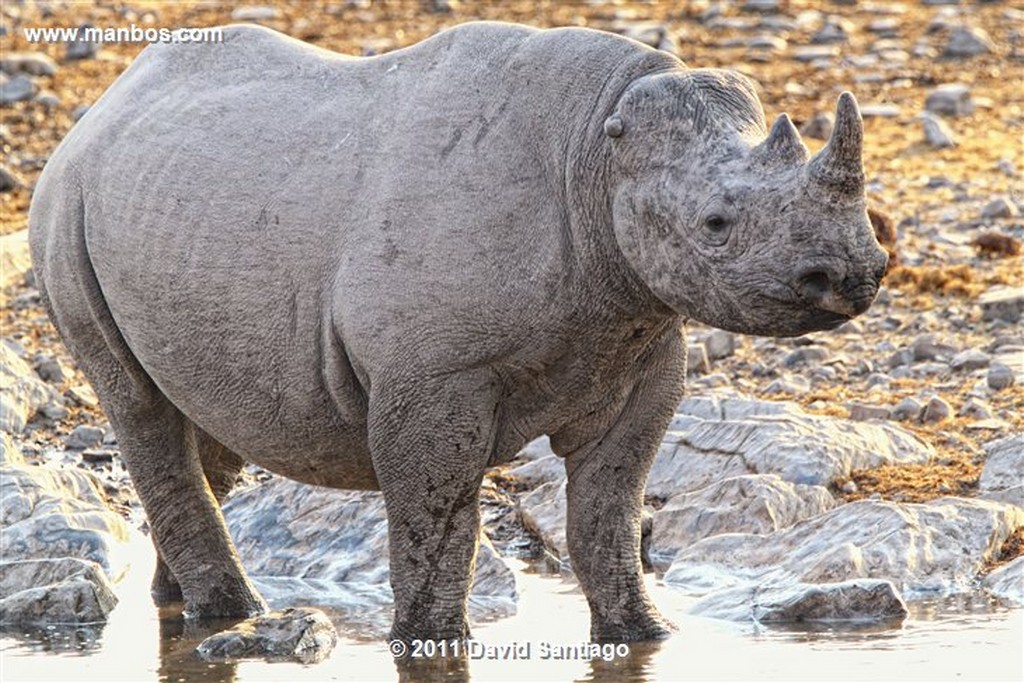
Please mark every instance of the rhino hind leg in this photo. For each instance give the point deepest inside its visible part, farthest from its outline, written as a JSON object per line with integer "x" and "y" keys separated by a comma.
{"x": 158, "y": 443}
{"x": 221, "y": 467}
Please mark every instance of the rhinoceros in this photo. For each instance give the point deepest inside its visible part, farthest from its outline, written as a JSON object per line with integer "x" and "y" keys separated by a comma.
{"x": 393, "y": 272}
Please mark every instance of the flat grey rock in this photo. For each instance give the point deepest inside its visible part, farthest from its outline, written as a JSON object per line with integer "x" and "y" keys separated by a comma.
{"x": 1007, "y": 582}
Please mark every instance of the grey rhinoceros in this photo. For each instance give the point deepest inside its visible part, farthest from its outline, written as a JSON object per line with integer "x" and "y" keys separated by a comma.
{"x": 393, "y": 272}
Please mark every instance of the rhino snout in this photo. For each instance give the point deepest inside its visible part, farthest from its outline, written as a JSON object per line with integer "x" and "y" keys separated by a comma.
{"x": 828, "y": 290}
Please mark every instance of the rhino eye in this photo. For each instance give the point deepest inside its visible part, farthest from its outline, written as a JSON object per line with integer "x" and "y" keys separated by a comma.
{"x": 716, "y": 229}
{"x": 716, "y": 223}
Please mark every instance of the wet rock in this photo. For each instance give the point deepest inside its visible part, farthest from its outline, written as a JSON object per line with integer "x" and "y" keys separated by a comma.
{"x": 999, "y": 377}
{"x": 861, "y": 601}
{"x": 1002, "y": 478}
{"x": 533, "y": 474}
{"x": 924, "y": 549}
{"x": 1002, "y": 303}
{"x": 84, "y": 436}
{"x": 54, "y": 591}
{"x": 714, "y": 438}
{"x": 286, "y": 529}
{"x": 758, "y": 504}
{"x": 950, "y": 99}
{"x": 936, "y": 133}
{"x": 15, "y": 88}
{"x": 301, "y": 633}
{"x": 31, "y": 63}
{"x": 544, "y": 513}
{"x": 967, "y": 41}
{"x": 1007, "y": 582}
{"x": 22, "y": 393}
{"x": 936, "y": 410}
{"x": 1000, "y": 207}
{"x": 254, "y": 13}
{"x": 819, "y": 127}
{"x": 82, "y": 47}
{"x": 971, "y": 359}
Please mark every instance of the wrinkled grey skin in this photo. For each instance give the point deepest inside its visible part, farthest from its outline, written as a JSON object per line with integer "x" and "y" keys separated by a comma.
{"x": 394, "y": 272}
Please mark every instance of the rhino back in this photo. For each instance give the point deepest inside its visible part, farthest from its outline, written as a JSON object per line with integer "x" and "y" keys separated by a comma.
{"x": 263, "y": 216}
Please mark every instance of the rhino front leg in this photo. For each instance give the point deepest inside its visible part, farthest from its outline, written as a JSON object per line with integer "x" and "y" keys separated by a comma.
{"x": 430, "y": 442}
{"x": 605, "y": 492}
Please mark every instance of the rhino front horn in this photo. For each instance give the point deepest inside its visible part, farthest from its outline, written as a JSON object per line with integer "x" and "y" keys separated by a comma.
{"x": 783, "y": 144}
{"x": 838, "y": 165}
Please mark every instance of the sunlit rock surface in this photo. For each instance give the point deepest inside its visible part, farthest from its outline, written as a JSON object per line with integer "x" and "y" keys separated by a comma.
{"x": 714, "y": 438}
{"x": 924, "y": 549}
{"x": 61, "y": 546}
{"x": 1003, "y": 475}
{"x": 1007, "y": 582}
{"x": 756, "y": 504}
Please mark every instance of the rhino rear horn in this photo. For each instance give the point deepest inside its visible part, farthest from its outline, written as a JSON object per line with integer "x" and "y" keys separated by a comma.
{"x": 783, "y": 144}
{"x": 838, "y": 165}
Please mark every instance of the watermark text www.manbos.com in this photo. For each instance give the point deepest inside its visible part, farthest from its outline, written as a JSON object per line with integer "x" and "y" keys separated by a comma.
{"x": 475, "y": 649}
{"x": 122, "y": 34}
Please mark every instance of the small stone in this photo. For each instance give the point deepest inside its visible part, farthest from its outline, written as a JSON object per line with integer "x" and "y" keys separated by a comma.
{"x": 95, "y": 456}
{"x": 1000, "y": 207}
{"x": 805, "y": 355}
{"x": 84, "y": 436}
{"x": 82, "y": 48}
{"x": 862, "y": 412}
{"x": 936, "y": 132}
{"x": 31, "y": 63}
{"x": 1002, "y": 303}
{"x": 254, "y": 13}
{"x": 975, "y": 408}
{"x": 850, "y": 487}
{"x": 968, "y": 41}
{"x": 926, "y": 348}
{"x": 720, "y": 344}
{"x": 50, "y": 369}
{"x": 54, "y": 411}
{"x": 47, "y": 99}
{"x": 812, "y": 53}
{"x": 878, "y": 379}
{"x": 15, "y": 89}
{"x": 819, "y": 127}
{"x": 788, "y": 385}
{"x": 950, "y": 99}
{"x": 1000, "y": 376}
{"x": 79, "y": 112}
{"x": 882, "y": 111}
{"x": 9, "y": 180}
{"x": 767, "y": 42}
{"x": 936, "y": 410}
{"x": 84, "y": 396}
{"x": 971, "y": 359}
{"x": 760, "y": 6}
{"x": 836, "y": 30}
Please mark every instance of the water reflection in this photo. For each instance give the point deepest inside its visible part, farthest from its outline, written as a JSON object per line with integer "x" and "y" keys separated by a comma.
{"x": 58, "y": 638}
{"x": 178, "y": 641}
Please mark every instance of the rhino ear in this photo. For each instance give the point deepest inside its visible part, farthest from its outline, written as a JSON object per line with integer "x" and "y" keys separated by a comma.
{"x": 783, "y": 144}
{"x": 613, "y": 126}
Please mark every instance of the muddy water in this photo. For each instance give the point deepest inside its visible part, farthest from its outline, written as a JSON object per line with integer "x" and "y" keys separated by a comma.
{"x": 952, "y": 639}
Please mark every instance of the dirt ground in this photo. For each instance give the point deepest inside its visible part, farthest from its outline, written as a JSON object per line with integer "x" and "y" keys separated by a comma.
{"x": 894, "y": 54}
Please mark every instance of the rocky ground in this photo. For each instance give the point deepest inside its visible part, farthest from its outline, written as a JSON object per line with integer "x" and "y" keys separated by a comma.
{"x": 907, "y": 420}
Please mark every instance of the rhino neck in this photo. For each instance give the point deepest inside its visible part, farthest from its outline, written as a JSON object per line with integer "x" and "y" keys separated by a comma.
{"x": 579, "y": 75}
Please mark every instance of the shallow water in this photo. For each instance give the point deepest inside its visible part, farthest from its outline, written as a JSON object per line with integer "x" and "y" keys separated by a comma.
{"x": 966, "y": 638}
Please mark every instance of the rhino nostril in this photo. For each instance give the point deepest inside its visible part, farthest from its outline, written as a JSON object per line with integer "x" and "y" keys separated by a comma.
{"x": 814, "y": 284}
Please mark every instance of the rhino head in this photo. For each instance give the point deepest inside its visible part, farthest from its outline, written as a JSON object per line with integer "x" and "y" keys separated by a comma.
{"x": 734, "y": 227}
